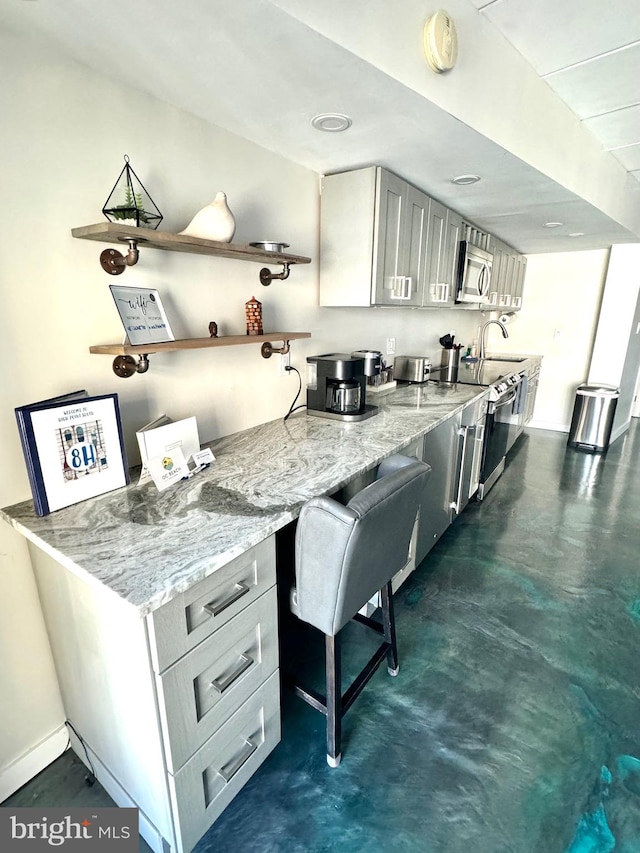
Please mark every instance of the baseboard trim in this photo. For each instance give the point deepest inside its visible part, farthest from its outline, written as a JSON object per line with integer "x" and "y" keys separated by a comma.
{"x": 554, "y": 427}
{"x": 23, "y": 769}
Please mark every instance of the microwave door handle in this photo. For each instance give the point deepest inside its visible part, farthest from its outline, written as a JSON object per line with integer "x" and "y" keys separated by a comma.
{"x": 483, "y": 280}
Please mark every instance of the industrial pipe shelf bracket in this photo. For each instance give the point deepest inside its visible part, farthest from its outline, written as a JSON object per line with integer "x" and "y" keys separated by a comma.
{"x": 267, "y": 349}
{"x": 125, "y": 366}
{"x": 266, "y": 276}
{"x": 114, "y": 262}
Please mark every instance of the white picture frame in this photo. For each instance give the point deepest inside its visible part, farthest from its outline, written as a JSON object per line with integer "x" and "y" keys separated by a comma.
{"x": 142, "y": 314}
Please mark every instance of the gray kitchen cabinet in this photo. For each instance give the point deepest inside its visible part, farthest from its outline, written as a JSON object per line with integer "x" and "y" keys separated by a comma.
{"x": 441, "y": 268}
{"x": 385, "y": 242}
{"x": 372, "y": 237}
{"x": 533, "y": 379}
{"x": 518, "y": 286}
{"x": 176, "y": 709}
{"x": 440, "y": 450}
{"x": 509, "y": 269}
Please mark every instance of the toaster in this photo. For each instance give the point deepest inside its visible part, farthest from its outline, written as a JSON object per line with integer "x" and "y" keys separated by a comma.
{"x": 412, "y": 368}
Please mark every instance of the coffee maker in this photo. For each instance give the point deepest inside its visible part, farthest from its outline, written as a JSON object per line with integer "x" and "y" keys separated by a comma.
{"x": 337, "y": 386}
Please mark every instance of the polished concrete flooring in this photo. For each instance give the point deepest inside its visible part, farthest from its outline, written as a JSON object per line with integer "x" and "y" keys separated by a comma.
{"x": 514, "y": 724}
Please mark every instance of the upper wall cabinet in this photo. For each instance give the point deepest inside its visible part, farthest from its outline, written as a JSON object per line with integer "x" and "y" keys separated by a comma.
{"x": 507, "y": 279}
{"x": 384, "y": 242}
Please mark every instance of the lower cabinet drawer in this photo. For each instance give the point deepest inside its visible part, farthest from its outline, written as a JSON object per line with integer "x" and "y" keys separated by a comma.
{"x": 207, "y": 783}
{"x": 204, "y": 688}
{"x": 191, "y": 617}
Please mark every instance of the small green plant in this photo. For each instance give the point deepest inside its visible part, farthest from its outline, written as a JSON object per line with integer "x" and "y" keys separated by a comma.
{"x": 133, "y": 205}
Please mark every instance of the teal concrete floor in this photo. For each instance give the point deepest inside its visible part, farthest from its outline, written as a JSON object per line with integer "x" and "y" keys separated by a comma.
{"x": 514, "y": 724}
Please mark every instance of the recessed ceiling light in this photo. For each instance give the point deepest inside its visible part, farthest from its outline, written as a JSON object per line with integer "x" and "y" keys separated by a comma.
{"x": 463, "y": 180}
{"x": 331, "y": 122}
{"x": 577, "y": 234}
{"x": 552, "y": 224}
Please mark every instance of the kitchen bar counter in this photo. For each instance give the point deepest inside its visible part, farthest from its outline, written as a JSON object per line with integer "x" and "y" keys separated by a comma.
{"x": 147, "y": 547}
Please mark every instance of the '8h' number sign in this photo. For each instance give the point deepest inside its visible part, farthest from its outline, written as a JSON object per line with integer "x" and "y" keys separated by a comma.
{"x": 81, "y": 456}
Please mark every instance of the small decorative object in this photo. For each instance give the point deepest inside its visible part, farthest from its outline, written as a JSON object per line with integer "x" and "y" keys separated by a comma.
{"x": 142, "y": 314}
{"x": 73, "y": 448}
{"x": 253, "y": 314}
{"x": 129, "y": 203}
{"x": 213, "y": 329}
{"x": 213, "y": 222}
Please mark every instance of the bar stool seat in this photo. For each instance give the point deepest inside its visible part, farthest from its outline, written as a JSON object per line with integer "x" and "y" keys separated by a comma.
{"x": 344, "y": 555}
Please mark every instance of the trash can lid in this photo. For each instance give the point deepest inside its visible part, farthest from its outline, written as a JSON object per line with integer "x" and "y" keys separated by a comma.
{"x": 598, "y": 390}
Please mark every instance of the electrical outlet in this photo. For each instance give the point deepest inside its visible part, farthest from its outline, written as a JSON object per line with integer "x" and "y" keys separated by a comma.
{"x": 285, "y": 361}
{"x": 391, "y": 346}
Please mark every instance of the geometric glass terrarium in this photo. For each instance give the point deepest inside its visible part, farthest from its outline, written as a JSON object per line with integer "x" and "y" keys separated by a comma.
{"x": 129, "y": 203}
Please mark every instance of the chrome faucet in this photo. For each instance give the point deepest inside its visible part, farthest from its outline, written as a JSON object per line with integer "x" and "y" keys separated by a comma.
{"x": 483, "y": 335}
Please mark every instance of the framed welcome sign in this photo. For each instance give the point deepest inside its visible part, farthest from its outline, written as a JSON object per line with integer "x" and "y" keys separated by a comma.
{"x": 73, "y": 448}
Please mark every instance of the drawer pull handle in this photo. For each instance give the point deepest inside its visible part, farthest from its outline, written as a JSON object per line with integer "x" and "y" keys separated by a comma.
{"x": 221, "y": 684}
{"x": 239, "y": 590}
{"x": 229, "y": 771}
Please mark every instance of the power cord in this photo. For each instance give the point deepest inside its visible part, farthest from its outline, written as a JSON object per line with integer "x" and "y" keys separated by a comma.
{"x": 90, "y": 778}
{"x": 293, "y": 408}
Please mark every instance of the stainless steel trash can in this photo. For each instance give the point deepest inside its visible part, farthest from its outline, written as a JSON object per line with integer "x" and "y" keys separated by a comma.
{"x": 592, "y": 419}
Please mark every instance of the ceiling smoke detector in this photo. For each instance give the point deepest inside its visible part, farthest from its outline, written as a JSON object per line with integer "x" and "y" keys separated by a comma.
{"x": 465, "y": 180}
{"x": 331, "y": 122}
{"x": 440, "y": 42}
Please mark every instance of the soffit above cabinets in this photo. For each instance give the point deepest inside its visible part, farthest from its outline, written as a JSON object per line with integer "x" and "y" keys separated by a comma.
{"x": 588, "y": 52}
{"x": 262, "y": 69}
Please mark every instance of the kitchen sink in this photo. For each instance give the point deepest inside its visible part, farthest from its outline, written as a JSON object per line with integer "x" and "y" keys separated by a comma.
{"x": 517, "y": 359}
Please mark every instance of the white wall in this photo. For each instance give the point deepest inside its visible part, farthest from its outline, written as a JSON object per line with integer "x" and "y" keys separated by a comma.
{"x": 616, "y": 352}
{"x": 63, "y": 134}
{"x": 562, "y": 295}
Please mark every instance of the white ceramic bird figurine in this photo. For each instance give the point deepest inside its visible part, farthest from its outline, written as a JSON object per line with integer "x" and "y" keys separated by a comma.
{"x": 213, "y": 222}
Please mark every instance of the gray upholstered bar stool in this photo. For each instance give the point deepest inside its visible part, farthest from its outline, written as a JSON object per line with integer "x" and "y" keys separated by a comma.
{"x": 344, "y": 555}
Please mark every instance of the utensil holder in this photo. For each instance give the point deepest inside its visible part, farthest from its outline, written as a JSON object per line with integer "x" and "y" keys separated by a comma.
{"x": 449, "y": 364}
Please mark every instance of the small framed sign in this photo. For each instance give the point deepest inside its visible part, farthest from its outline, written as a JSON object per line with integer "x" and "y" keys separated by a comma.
{"x": 73, "y": 448}
{"x": 142, "y": 314}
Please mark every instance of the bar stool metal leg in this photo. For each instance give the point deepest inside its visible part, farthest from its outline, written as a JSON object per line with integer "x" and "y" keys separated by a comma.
{"x": 389, "y": 626}
{"x": 333, "y": 676}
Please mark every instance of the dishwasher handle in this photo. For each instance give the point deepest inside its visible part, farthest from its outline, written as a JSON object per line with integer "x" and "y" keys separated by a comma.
{"x": 466, "y": 432}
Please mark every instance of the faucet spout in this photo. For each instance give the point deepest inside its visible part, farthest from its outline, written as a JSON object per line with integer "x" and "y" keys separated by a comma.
{"x": 483, "y": 335}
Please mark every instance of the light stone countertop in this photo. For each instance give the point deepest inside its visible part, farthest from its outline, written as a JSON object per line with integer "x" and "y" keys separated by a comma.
{"x": 147, "y": 546}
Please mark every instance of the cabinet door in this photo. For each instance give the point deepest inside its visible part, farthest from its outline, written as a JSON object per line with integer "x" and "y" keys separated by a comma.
{"x": 435, "y": 290}
{"x": 440, "y": 450}
{"x": 521, "y": 268}
{"x": 414, "y": 231}
{"x": 390, "y": 286}
{"x": 452, "y": 238}
{"x": 507, "y": 283}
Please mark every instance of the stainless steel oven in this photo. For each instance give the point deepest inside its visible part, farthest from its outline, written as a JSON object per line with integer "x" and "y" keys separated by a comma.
{"x": 502, "y": 429}
{"x": 504, "y": 417}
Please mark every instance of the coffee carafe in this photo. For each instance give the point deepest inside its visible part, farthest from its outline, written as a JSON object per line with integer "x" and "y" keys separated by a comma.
{"x": 344, "y": 396}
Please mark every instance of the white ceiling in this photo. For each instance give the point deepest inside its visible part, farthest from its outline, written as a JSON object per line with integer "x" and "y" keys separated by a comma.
{"x": 589, "y": 53}
{"x": 263, "y": 68}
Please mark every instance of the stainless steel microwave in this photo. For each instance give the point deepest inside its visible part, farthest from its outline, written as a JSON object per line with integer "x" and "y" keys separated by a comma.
{"x": 474, "y": 273}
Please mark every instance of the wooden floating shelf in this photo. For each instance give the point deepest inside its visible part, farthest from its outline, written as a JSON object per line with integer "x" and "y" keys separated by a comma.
{"x": 195, "y": 343}
{"x": 130, "y": 358}
{"x": 111, "y": 232}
